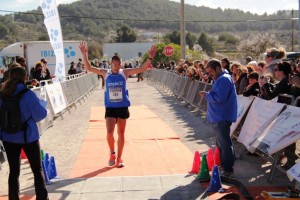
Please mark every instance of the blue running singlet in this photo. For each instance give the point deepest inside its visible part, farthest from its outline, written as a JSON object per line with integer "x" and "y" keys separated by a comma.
{"x": 116, "y": 93}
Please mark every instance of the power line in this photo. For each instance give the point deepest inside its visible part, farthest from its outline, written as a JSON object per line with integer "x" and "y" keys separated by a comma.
{"x": 157, "y": 20}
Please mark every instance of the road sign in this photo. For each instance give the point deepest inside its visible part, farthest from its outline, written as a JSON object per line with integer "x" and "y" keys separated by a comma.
{"x": 168, "y": 50}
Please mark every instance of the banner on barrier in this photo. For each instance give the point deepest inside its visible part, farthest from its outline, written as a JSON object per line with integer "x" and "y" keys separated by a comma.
{"x": 243, "y": 105}
{"x": 260, "y": 115}
{"x": 56, "y": 97}
{"x": 294, "y": 172}
{"x": 283, "y": 131}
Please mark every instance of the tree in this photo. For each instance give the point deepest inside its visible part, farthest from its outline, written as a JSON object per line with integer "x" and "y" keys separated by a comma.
{"x": 95, "y": 50}
{"x": 190, "y": 39}
{"x": 43, "y": 37}
{"x": 3, "y": 30}
{"x": 257, "y": 43}
{"x": 125, "y": 34}
{"x": 173, "y": 37}
{"x": 228, "y": 38}
{"x": 207, "y": 43}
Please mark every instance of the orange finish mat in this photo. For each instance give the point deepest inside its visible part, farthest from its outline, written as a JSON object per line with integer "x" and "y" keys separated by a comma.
{"x": 151, "y": 147}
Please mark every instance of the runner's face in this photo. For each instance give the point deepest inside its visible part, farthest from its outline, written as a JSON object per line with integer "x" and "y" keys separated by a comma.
{"x": 116, "y": 65}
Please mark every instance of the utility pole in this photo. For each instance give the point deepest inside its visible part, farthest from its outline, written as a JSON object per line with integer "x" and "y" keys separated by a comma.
{"x": 292, "y": 30}
{"x": 298, "y": 23}
{"x": 182, "y": 30}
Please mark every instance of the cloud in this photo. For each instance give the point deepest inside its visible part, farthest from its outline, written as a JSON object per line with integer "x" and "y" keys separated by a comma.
{"x": 25, "y": 1}
{"x": 207, "y": 3}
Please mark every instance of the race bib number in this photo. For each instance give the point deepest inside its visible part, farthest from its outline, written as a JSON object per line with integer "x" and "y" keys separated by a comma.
{"x": 115, "y": 94}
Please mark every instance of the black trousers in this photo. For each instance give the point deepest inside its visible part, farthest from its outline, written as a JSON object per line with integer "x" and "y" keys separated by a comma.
{"x": 32, "y": 151}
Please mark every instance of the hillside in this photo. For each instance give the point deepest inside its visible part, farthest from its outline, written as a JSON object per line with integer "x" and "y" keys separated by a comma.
{"x": 94, "y": 19}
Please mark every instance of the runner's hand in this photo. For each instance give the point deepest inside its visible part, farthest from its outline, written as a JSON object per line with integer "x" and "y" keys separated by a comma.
{"x": 83, "y": 47}
{"x": 152, "y": 51}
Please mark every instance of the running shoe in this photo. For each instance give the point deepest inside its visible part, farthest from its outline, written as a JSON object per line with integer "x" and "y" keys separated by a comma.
{"x": 120, "y": 163}
{"x": 112, "y": 160}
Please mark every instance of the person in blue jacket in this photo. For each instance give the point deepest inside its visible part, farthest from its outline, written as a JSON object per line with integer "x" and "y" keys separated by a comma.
{"x": 221, "y": 112}
{"x": 28, "y": 139}
{"x": 116, "y": 98}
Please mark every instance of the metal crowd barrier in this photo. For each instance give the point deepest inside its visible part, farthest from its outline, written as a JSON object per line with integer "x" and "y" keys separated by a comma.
{"x": 75, "y": 89}
{"x": 185, "y": 89}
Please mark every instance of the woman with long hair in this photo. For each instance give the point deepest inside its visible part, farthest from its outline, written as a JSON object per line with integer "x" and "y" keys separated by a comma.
{"x": 26, "y": 138}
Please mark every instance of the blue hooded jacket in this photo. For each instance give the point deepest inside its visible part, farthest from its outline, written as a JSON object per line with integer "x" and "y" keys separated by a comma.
{"x": 32, "y": 111}
{"x": 222, "y": 100}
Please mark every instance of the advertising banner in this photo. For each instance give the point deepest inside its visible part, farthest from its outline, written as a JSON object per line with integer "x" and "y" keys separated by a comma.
{"x": 260, "y": 115}
{"x": 56, "y": 97}
{"x": 52, "y": 23}
{"x": 294, "y": 172}
{"x": 282, "y": 132}
{"x": 243, "y": 105}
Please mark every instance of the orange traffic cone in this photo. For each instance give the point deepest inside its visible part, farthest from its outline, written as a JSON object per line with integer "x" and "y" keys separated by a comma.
{"x": 196, "y": 163}
{"x": 23, "y": 155}
{"x": 210, "y": 159}
{"x": 217, "y": 157}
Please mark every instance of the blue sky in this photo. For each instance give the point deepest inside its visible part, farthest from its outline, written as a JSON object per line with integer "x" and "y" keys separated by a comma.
{"x": 254, "y": 6}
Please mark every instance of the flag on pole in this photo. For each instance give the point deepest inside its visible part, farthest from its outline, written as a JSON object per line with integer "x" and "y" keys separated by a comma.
{"x": 52, "y": 23}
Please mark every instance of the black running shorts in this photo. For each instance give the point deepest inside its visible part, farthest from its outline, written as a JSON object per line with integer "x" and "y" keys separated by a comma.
{"x": 122, "y": 113}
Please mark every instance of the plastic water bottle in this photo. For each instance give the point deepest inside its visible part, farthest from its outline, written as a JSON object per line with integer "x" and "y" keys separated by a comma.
{"x": 43, "y": 97}
{"x": 43, "y": 93}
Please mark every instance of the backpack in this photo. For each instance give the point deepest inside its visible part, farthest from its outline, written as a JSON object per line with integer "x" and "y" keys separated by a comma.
{"x": 10, "y": 115}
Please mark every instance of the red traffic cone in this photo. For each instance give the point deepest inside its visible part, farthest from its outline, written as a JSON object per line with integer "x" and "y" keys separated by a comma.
{"x": 217, "y": 157}
{"x": 210, "y": 159}
{"x": 196, "y": 163}
{"x": 23, "y": 155}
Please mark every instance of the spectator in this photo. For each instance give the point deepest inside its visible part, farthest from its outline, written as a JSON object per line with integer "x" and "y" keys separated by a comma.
{"x": 172, "y": 65}
{"x": 37, "y": 70}
{"x": 221, "y": 112}
{"x": 79, "y": 66}
{"x": 282, "y": 71}
{"x": 242, "y": 80}
{"x": 253, "y": 88}
{"x": 103, "y": 65}
{"x": 6, "y": 73}
{"x": 226, "y": 65}
{"x": 248, "y": 59}
{"x": 139, "y": 75}
{"x": 22, "y": 62}
{"x": 45, "y": 73}
{"x": 253, "y": 64}
{"x": 262, "y": 67}
{"x": 192, "y": 73}
{"x": 126, "y": 66}
{"x": 179, "y": 67}
{"x": 273, "y": 56}
{"x": 28, "y": 140}
{"x": 72, "y": 69}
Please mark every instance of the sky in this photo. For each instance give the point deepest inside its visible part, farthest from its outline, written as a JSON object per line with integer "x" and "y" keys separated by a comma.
{"x": 253, "y": 6}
